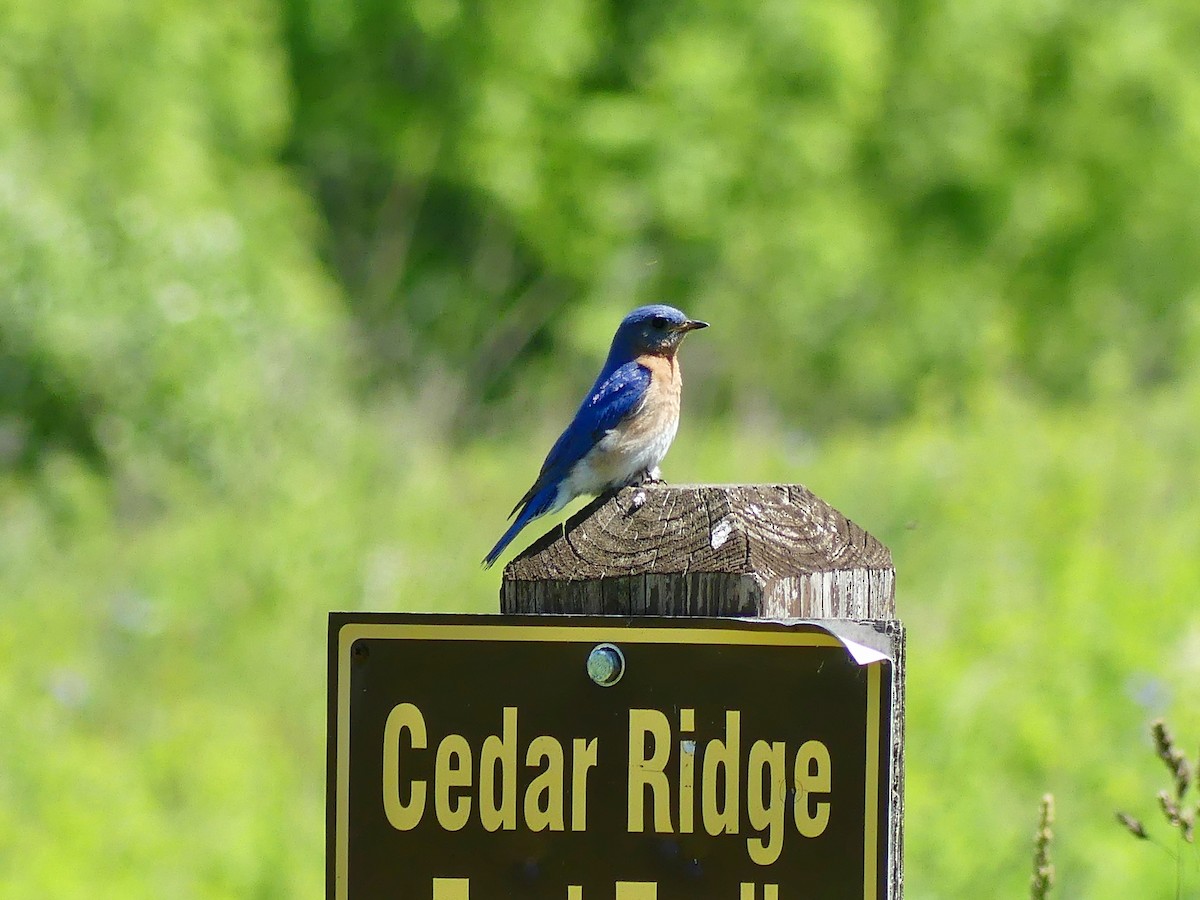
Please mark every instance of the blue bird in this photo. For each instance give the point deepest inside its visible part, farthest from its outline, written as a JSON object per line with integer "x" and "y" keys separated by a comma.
{"x": 624, "y": 426}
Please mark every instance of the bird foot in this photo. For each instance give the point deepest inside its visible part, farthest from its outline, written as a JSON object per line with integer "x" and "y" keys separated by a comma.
{"x": 649, "y": 476}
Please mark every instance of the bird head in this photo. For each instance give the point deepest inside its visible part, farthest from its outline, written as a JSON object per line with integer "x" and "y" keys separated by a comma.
{"x": 656, "y": 329}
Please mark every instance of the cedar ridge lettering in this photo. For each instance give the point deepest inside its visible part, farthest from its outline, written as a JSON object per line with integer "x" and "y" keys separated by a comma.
{"x": 464, "y": 782}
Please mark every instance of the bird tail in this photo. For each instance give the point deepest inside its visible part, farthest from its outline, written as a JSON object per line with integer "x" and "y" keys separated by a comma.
{"x": 534, "y": 505}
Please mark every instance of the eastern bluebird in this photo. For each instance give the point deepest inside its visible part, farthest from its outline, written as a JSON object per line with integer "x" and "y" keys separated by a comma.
{"x": 624, "y": 426}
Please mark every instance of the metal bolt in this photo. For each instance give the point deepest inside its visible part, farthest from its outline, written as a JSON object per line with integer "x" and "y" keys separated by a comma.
{"x": 606, "y": 664}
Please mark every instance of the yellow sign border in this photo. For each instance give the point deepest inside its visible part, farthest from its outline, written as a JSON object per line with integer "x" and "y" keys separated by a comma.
{"x": 586, "y": 634}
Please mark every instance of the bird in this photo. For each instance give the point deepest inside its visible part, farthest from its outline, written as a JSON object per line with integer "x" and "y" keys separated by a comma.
{"x": 623, "y": 427}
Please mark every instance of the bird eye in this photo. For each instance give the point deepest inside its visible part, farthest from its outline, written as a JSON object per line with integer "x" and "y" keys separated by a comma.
{"x": 659, "y": 322}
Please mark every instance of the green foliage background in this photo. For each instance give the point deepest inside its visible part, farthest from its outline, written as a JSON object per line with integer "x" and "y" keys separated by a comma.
{"x": 293, "y": 297}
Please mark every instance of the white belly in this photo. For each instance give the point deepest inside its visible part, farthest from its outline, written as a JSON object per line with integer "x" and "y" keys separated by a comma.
{"x": 635, "y": 446}
{"x": 619, "y": 459}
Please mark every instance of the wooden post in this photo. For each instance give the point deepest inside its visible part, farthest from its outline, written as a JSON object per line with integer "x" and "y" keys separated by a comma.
{"x": 772, "y": 551}
{"x": 767, "y": 550}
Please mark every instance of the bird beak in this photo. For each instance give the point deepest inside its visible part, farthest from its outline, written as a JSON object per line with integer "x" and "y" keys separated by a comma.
{"x": 692, "y": 325}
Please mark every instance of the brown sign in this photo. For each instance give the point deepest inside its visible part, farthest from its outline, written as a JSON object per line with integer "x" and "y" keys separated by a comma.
{"x": 576, "y": 758}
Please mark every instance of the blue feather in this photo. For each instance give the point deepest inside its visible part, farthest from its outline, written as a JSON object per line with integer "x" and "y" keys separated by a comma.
{"x": 534, "y": 506}
{"x": 615, "y": 395}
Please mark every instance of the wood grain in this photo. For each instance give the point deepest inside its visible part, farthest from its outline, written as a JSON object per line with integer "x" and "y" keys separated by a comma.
{"x": 771, "y": 550}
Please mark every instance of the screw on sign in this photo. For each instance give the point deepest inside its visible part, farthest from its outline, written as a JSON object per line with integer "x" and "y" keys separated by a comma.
{"x": 606, "y": 664}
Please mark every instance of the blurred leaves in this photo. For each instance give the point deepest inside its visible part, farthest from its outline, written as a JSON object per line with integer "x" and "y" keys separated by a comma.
{"x": 159, "y": 294}
{"x": 887, "y": 202}
{"x": 884, "y": 200}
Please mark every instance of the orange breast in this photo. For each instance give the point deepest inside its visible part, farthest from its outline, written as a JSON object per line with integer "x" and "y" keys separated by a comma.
{"x": 661, "y": 404}
{"x": 641, "y": 440}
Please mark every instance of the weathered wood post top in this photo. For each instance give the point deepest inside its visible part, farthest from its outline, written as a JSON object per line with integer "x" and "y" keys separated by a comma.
{"x": 764, "y": 550}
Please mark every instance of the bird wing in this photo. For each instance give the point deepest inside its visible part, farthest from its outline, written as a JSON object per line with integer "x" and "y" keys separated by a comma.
{"x": 613, "y": 397}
